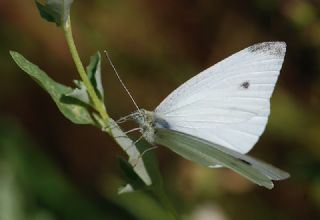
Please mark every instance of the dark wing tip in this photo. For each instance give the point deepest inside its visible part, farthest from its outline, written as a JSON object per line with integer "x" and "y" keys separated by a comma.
{"x": 276, "y": 48}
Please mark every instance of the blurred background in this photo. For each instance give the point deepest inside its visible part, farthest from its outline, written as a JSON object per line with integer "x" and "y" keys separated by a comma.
{"x": 53, "y": 169}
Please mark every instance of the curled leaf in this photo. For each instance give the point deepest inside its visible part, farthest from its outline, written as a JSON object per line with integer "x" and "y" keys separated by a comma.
{"x": 94, "y": 73}
{"x": 56, "y": 11}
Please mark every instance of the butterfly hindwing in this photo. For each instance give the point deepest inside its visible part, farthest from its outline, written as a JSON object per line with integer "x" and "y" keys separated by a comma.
{"x": 209, "y": 154}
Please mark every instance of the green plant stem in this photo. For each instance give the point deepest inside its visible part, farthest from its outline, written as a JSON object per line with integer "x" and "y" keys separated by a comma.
{"x": 99, "y": 106}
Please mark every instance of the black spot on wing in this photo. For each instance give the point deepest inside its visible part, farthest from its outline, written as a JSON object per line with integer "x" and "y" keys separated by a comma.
{"x": 244, "y": 161}
{"x": 270, "y": 48}
{"x": 245, "y": 85}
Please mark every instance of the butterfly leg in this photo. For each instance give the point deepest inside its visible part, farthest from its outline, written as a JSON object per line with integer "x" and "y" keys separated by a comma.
{"x": 124, "y": 118}
{"x": 134, "y": 143}
{"x": 127, "y": 132}
{"x": 132, "y": 130}
{"x": 119, "y": 121}
{"x": 142, "y": 154}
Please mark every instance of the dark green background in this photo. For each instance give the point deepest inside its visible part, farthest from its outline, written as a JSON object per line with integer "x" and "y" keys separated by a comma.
{"x": 52, "y": 169}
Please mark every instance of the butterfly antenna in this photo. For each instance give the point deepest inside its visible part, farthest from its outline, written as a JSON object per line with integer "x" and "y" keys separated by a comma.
{"x": 114, "y": 69}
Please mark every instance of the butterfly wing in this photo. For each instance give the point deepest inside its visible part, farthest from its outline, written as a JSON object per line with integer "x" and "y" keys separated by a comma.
{"x": 209, "y": 154}
{"x": 228, "y": 103}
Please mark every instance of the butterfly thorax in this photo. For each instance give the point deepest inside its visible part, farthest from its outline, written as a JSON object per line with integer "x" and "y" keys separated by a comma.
{"x": 149, "y": 121}
{"x": 145, "y": 120}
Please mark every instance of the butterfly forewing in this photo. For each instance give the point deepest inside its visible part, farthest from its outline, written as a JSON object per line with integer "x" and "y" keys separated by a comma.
{"x": 228, "y": 103}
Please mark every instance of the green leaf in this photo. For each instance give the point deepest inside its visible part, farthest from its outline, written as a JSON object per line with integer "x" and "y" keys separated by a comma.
{"x": 135, "y": 182}
{"x": 132, "y": 151}
{"x": 146, "y": 167}
{"x": 94, "y": 75}
{"x": 71, "y": 108}
{"x": 151, "y": 166}
{"x": 150, "y": 162}
{"x": 56, "y": 11}
{"x": 125, "y": 189}
{"x": 157, "y": 187}
{"x": 80, "y": 93}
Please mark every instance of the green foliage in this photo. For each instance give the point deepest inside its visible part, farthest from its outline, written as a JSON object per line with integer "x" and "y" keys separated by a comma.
{"x": 80, "y": 93}
{"x": 78, "y": 113}
{"x": 141, "y": 173}
{"x": 56, "y": 11}
{"x": 134, "y": 181}
{"x": 75, "y": 105}
{"x": 71, "y": 108}
{"x": 94, "y": 75}
{"x": 132, "y": 151}
{"x": 130, "y": 170}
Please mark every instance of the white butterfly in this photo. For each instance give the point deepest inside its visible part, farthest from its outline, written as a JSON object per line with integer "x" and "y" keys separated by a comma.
{"x": 218, "y": 115}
